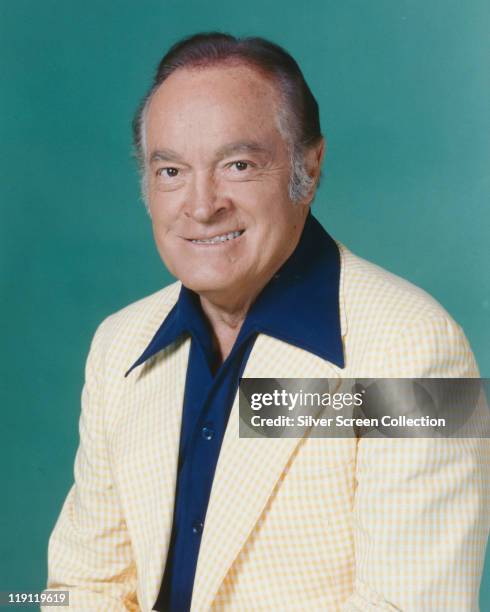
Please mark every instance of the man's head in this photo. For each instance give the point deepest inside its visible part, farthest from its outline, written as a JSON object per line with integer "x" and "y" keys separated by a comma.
{"x": 229, "y": 144}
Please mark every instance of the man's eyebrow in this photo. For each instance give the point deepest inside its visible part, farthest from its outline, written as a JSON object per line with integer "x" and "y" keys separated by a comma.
{"x": 241, "y": 146}
{"x": 165, "y": 155}
{"x": 232, "y": 148}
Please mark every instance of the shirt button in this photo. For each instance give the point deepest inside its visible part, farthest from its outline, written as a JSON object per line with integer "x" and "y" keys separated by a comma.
{"x": 207, "y": 433}
{"x": 197, "y": 527}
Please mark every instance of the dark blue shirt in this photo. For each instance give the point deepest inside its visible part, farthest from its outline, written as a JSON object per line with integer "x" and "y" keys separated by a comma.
{"x": 300, "y": 306}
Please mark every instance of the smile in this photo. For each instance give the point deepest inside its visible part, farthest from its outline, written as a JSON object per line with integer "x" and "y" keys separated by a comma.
{"x": 219, "y": 239}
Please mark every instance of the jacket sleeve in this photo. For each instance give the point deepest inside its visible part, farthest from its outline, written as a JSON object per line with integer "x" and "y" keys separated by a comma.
{"x": 89, "y": 552}
{"x": 422, "y": 506}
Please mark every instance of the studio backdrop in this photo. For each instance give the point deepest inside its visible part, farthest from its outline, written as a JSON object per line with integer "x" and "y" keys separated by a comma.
{"x": 404, "y": 92}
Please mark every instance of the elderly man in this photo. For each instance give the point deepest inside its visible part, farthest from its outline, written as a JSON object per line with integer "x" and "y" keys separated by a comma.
{"x": 171, "y": 509}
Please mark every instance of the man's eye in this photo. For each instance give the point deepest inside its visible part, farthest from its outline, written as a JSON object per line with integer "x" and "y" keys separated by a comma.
{"x": 240, "y": 165}
{"x": 168, "y": 172}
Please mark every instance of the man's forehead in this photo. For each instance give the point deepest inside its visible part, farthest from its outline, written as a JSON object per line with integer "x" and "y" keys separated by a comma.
{"x": 197, "y": 83}
{"x": 214, "y": 106}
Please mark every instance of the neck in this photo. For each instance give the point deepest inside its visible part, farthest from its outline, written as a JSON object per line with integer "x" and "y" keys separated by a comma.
{"x": 226, "y": 322}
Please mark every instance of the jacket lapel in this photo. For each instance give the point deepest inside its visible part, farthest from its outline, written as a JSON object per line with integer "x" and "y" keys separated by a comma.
{"x": 248, "y": 470}
{"x": 164, "y": 406}
{"x": 147, "y": 449}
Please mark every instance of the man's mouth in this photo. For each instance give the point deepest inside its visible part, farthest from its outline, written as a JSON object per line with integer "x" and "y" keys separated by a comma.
{"x": 218, "y": 239}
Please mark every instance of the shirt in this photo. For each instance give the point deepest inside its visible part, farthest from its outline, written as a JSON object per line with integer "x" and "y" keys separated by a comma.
{"x": 281, "y": 310}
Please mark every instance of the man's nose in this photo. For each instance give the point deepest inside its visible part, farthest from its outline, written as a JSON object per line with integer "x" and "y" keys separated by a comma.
{"x": 204, "y": 200}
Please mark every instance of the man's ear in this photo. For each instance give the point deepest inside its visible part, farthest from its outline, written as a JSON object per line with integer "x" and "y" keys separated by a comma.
{"x": 313, "y": 158}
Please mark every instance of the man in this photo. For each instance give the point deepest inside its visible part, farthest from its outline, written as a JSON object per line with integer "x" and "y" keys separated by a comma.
{"x": 171, "y": 509}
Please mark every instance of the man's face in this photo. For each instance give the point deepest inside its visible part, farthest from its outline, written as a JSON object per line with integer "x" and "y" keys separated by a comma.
{"x": 218, "y": 180}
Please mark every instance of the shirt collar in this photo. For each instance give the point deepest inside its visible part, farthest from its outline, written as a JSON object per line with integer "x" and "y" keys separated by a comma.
{"x": 299, "y": 305}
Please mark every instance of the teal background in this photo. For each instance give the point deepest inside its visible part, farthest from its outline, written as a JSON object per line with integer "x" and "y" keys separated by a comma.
{"x": 404, "y": 90}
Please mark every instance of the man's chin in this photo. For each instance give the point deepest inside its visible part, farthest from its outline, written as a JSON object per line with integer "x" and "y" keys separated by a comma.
{"x": 208, "y": 287}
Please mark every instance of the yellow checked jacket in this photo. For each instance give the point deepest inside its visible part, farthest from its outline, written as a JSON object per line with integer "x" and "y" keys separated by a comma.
{"x": 292, "y": 524}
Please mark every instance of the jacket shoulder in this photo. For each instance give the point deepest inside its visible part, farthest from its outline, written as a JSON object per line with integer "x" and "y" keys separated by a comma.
{"x": 369, "y": 293}
{"x": 393, "y": 328}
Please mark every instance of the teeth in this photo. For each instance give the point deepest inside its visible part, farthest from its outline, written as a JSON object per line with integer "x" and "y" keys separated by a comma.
{"x": 217, "y": 239}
